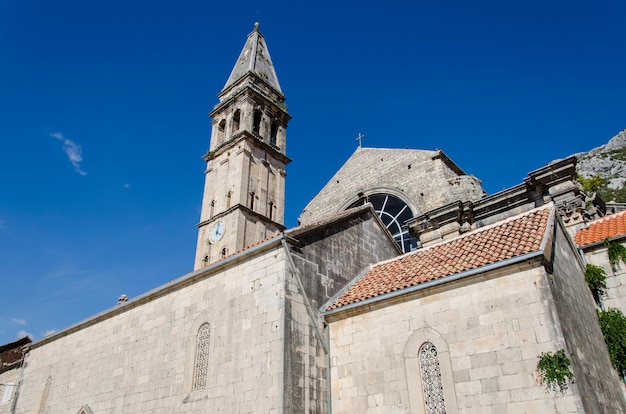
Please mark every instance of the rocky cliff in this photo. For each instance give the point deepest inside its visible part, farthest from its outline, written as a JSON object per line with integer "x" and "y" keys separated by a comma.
{"x": 609, "y": 163}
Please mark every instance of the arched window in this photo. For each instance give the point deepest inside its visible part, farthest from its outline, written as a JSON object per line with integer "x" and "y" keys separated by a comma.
{"x": 273, "y": 133}
{"x": 432, "y": 386}
{"x": 221, "y": 129}
{"x": 212, "y": 208}
{"x": 224, "y": 251}
{"x": 236, "y": 120}
{"x": 256, "y": 122}
{"x": 394, "y": 213}
{"x": 252, "y": 200}
{"x": 43, "y": 404}
{"x": 201, "y": 367}
{"x": 270, "y": 209}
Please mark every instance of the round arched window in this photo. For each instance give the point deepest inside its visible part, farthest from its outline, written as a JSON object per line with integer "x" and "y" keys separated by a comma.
{"x": 394, "y": 213}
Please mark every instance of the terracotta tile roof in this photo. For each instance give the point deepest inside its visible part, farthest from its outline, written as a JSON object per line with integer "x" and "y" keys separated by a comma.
{"x": 506, "y": 239}
{"x": 603, "y": 228}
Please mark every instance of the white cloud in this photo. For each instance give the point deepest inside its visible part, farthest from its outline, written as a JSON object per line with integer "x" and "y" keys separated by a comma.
{"x": 49, "y": 332}
{"x": 72, "y": 150}
{"x": 18, "y": 321}
{"x": 127, "y": 185}
{"x": 22, "y": 334}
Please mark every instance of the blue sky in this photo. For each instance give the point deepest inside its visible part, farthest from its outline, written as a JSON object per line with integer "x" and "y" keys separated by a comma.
{"x": 103, "y": 117}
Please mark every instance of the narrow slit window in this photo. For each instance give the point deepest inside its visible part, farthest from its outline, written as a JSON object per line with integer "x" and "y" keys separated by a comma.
{"x": 256, "y": 122}
{"x": 273, "y": 133}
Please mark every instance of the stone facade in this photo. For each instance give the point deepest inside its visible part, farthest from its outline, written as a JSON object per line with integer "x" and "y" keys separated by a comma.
{"x": 489, "y": 330}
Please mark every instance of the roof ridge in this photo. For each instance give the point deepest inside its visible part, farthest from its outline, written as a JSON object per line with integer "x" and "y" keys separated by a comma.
{"x": 487, "y": 227}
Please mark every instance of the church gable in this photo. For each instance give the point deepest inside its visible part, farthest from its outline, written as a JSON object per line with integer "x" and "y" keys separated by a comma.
{"x": 422, "y": 179}
{"x": 514, "y": 238}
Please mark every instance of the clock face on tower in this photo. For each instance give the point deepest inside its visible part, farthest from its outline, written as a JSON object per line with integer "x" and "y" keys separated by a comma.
{"x": 217, "y": 232}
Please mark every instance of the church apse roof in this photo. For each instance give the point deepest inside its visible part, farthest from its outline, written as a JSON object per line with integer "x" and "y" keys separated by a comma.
{"x": 508, "y": 239}
{"x": 606, "y": 227}
{"x": 254, "y": 58}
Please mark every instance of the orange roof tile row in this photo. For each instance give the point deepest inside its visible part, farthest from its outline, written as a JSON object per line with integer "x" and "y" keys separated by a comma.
{"x": 491, "y": 244}
{"x": 603, "y": 228}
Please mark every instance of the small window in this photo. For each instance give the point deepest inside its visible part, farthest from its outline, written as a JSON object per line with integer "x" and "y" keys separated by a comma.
{"x": 236, "y": 120}
{"x": 43, "y": 404}
{"x": 212, "y": 208}
{"x": 252, "y": 200}
{"x": 221, "y": 129}
{"x": 201, "y": 367}
{"x": 256, "y": 124}
{"x": 432, "y": 386}
{"x": 7, "y": 395}
{"x": 224, "y": 251}
{"x": 273, "y": 133}
{"x": 228, "y": 197}
{"x": 270, "y": 209}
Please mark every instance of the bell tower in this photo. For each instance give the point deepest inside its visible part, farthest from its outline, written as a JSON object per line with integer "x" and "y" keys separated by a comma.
{"x": 244, "y": 190}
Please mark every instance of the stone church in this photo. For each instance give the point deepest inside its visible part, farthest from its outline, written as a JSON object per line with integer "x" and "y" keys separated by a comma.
{"x": 405, "y": 290}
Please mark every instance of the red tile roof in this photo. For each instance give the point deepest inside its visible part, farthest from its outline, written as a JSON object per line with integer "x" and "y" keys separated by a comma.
{"x": 506, "y": 239}
{"x": 603, "y": 228}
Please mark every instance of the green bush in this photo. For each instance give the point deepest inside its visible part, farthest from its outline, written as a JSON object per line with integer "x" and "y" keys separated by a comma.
{"x": 554, "y": 370}
{"x": 616, "y": 253}
{"x": 613, "y": 325}
{"x": 595, "y": 276}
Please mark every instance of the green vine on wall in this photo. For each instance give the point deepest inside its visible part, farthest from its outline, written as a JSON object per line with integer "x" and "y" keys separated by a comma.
{"x": 554, "y": 370}
{"x": 613, "y": 325}
{"x": 595, "y": 276}
{"x": 616, "y": 252}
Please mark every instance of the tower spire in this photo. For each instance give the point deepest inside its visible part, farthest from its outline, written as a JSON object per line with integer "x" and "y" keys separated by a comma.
{"x": 254, "y": 58}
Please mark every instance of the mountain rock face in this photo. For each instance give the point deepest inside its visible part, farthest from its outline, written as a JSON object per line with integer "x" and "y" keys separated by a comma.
{"x": 607, "y": 161}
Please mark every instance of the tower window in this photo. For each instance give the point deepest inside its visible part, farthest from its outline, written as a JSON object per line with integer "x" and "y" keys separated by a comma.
{"x": 224, "y": 251}
{"x": 236, "y": 120}
{"x": 252, "y": 200}
{"x": 201, "y": 367}
{"x": 271, "y": 209}
{"x": 221, "y": 128}
{"x": 273, "y": 133}
{"x": 212, "y": 208}
{"x": 228, "y": 197}
{"x": 256, "y": 122}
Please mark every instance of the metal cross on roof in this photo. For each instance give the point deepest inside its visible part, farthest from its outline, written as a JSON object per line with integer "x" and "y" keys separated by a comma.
{"x": 360, "y": 139}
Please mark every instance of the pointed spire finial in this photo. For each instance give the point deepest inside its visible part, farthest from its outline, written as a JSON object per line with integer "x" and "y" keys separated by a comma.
{"x": 256, "y": 26}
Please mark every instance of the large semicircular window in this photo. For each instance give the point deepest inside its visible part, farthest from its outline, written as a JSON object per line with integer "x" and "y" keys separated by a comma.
{"x": 394, "y": 213}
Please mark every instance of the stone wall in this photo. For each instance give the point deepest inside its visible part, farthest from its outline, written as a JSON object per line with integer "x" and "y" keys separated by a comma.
{"x": 488, "y": 329}
{"x": 600, "y": 388}
{"x": 8, "y": 378}
{"x": 326, "y": 258}
{"x": 140, "y": 356}
{"x": 615, "y": 295}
